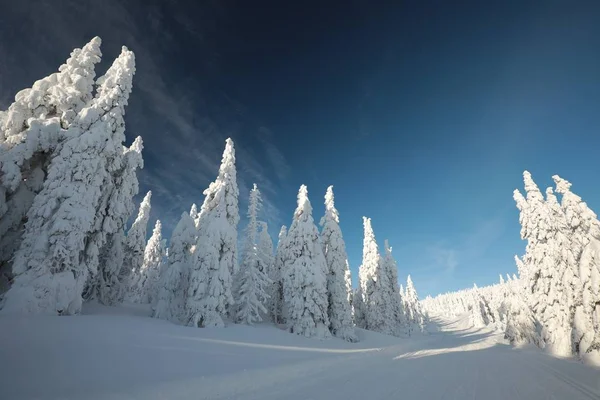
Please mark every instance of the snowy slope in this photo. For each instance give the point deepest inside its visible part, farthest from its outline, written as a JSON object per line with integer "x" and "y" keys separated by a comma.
{"x": 118, "y": 353}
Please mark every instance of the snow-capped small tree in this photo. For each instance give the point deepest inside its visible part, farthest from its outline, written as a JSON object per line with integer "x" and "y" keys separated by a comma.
{"x": 252, "y": 282}
{"x": 338, "y": 272}
{"x": 521, "y": 325}
{"x": 276, "y": 293}
{"x": 49, "y": 272}
{"x": 414, "y": 314}
{"x": 135, "y": 246}
{"x": 304, "y": 274}
{"x": 209, "y": 294}
{"x": 146, "y": 287}
{"x": 173, "y": 282}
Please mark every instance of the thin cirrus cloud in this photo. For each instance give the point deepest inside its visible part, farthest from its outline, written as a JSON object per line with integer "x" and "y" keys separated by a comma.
{"x": 183, "y": 126}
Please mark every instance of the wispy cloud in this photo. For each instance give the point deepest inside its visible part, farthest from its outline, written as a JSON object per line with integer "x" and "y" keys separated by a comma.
{"x": 183, "y": 122}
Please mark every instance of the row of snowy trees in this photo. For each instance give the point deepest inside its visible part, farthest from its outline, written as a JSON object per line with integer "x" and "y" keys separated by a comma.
{"x": 555, "y": 302}
{"x": 67, "y": 185}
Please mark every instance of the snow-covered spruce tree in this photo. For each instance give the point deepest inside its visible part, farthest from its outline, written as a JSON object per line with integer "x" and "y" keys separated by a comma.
{"x": 358, "y": 307}
{"x": 391, "y": 268}
{"x": 135, "y": 246}
{"x": 267, "y": 261}
{"x": 545, "y": 263}
{"x": 304, "y": 274}
{"x": 265, "y": 248}
{"x": 338, "y": 286}
{"x": 146, "y": 287}
{"x": 414, "y": 314}
{"x": 49, "y": 274}
{"x": 209, "y": 296}
{"x": 29, "y": 136}
{"x": 582, "y": 285}
{"x": 376, "y": 286}
{"x": 173, "y": 282}
{"x": 479, "y": 314}
{"x": 111, "y": 284}
{"x": 521, "y": 326}
{"x": 251, "y": 283}
{"x": 276, "y": 293}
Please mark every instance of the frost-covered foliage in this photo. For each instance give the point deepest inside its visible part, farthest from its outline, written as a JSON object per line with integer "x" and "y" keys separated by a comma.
{"x": 134, "y": 249}
{"x": 174, "y": 279}
{"x": 339, "y": 287}
{"x": 252, "y": 282}
{"x": 53, "y": 263}
{"x": 276, "y": 294}
{"x": 209, "y": 294}
{"x": 31, "y": 131}
{"x": 144, "y": 290}
{"x": 304, "y": 274}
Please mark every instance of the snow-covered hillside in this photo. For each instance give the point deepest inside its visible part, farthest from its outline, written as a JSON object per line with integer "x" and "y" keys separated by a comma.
{"x": 119, "y": 353}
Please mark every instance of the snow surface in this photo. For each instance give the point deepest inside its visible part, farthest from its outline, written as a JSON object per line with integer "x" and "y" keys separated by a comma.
{"x": 119, "y": 353}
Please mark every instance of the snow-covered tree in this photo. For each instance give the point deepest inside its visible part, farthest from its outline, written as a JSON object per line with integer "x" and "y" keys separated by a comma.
{"x": 338, "y": 272}
{"x": 113, "y": 277}
{"x": 267, "y": 261}
{"x": 145, "y": 289}
{"x": 209, "y": 295}
{"x": 376, "y": 288}
{"x": 135, "y": 246}
{"x": 252, "y": 282}
{"x": 48, "y": 268}
{"x": 414, "y": 314}
{"x": 276, "y": 293}
{"x": 304, "y": 274}
{"x": 395, "y": 304}
{"x": 545, "y": 264}
{"x": 30, "y": 133}
{"x": 173, "y": 282}
{"x": 582, "y": 280}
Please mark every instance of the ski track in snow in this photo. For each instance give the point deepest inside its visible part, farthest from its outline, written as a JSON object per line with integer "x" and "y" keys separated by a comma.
{"x": 120, "y": 354}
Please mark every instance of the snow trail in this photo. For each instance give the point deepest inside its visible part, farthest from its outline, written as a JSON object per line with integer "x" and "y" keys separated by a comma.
{"x": 118, "y": 353}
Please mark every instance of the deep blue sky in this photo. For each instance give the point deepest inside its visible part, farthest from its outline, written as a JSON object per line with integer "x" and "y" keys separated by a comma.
{"x": 422, "y": 114}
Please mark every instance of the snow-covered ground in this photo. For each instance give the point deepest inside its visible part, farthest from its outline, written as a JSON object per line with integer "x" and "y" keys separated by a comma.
{"x": 119, "y": 353}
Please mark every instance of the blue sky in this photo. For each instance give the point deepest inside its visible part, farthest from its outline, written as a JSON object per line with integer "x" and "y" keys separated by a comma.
{"x": 422, "y": 115}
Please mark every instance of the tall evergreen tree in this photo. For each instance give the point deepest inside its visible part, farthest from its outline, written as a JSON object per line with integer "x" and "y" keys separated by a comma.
{"x": 209, "y": 296}
{"x": 304, "y": 274}
{"x": 174, "y": 279}
{"x": 30, "y": 134}
{"x": 146, "y": 287}
{"x": 135, "y": 246}
{"x": 376, "y": 286}
{"x": 276, "y": 295}
{"x": 582, "y": 284}
{"x": 50, "y": 276}
{"x": 338, "y": 286}
{"x": 251, "y": 280}
{"x": 113, "y": 278}
{"x": 396, "y": 310}
{"x": 544, "y": 263}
